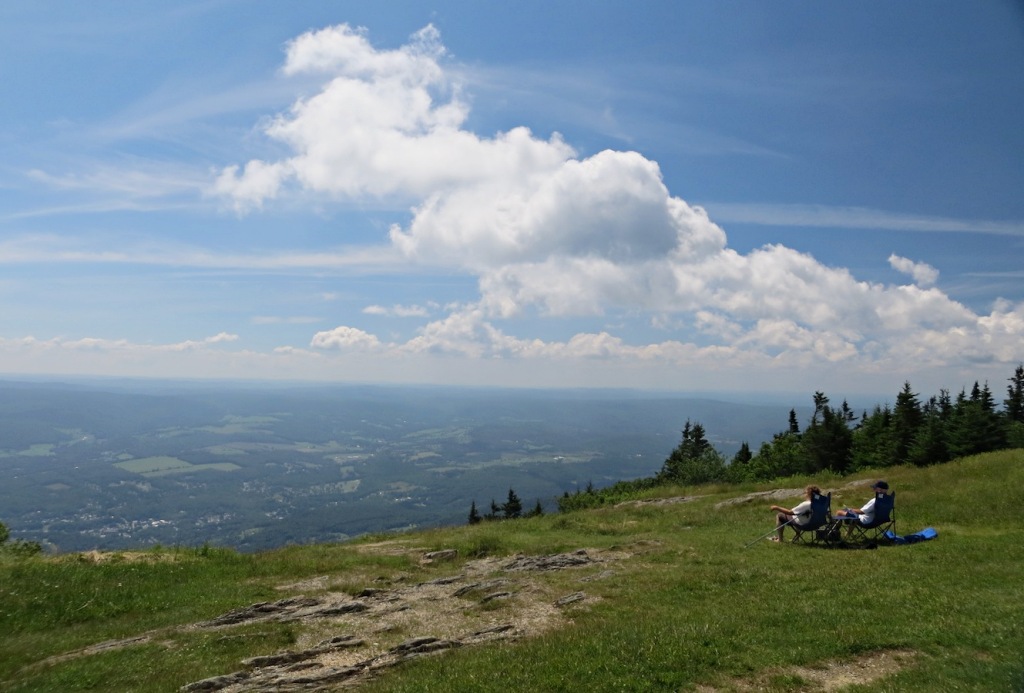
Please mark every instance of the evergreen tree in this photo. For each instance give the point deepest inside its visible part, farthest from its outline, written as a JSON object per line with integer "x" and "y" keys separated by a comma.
{"x": 874, "y": 442}
{"x": 513, "y": 507}
{"x": 929, "y": 445}
{"x": 1014, "y": 402}
{"x": 474, "y": 516}
{"x": 994, "y": 426}
{"x": 906, "y": 421}
{"x": 493, "y": 513}
{"x": 694, "y": 460}
{"x": 974, "y": 425}
{"x": 827, "y": 443}
{"x": 537, "y": 511}
{"x": 794, "y": 426}
{"x": 738, "y": 469}
{"x": 782, "y": 456}
{"x": 18, "y": 547}
{"x": 1014, "y": 409}
{"x": 847, "y": 413}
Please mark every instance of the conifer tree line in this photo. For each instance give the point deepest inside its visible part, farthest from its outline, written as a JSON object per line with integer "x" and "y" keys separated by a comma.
{"x": 511, "y": 509}
{"x": 18, "y": 547}
{"x": 836, "y": 439}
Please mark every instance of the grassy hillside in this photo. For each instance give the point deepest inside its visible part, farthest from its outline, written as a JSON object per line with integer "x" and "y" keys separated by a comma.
{"x": 666, "y": 597}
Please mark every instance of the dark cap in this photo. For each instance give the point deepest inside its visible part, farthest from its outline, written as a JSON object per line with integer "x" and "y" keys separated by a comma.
{"x": 881, "y": 484}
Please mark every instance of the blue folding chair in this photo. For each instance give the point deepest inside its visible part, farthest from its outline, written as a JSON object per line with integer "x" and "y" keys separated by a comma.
{"x": 884, "y": 520}
{"x": 815, "y": 530}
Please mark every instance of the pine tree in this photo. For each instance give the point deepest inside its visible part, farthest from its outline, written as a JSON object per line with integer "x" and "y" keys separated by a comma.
{"x": 929, "y": 446}
{"x": 739, "y": 469}
{"x": 493, "y": 513}
{"x": 974, "y": 426}
{"x": 1014, "y": 401}
{"x": 1014, "y": 409}
{"x": 828, "y": 442}
{"x": 537, "y": 511}
{"x": 513, "y": 507}
{"x": 794, "y": 426}
{"x": 874, "y": 441}
{"x": 694, "y": 461}
{"x": 474, "y": 516}
{"x": 906, "y": 421}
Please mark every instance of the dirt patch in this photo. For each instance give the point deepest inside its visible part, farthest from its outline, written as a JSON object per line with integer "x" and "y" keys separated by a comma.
{"x": 831, "y": 675}
{"x": 674, "y": 500}
{"x": 390, "y": 547}
{"x": 776, "y": 494}
{"x": 123, "y": 557}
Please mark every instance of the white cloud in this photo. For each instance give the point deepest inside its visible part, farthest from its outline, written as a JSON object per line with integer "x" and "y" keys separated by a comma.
{"x": 612, "y": 206}
{"x": 284, "y": 320}
{"x": 52, "y": 248}
{"x": 823, "y": 216}
{"x": 397, "y": 311}
{"x": 125, "y": 345}
{"x": 386, "y": 123}
{"x": 923, "y": 273}
{"x": 548, "y": 233}
{"x": 257, "y": 182}
{"x": 97, "y": 344}
{"x": 347, "y": 339}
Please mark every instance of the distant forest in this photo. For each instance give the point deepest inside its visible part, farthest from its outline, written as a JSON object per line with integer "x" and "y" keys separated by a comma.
{"x": 838, "y": 441}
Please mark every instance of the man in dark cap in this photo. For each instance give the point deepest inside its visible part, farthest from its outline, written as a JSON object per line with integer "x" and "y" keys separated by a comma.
{"x": 866, "y": 515}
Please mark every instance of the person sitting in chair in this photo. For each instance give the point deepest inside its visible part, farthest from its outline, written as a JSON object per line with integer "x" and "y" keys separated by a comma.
{"x": 800, "y": 515}
{"x": 866, "y": 514}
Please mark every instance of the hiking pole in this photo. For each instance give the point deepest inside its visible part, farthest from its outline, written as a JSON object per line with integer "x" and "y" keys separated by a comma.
{"x": 789, "y": 521}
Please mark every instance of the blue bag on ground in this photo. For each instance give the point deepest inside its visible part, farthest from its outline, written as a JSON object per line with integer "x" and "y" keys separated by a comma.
{"x": 924, "y": 535}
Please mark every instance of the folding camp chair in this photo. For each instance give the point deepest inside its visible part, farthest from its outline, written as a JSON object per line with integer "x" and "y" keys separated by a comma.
{"x": 855, "y": 531}
{"x": 815, "y": 530}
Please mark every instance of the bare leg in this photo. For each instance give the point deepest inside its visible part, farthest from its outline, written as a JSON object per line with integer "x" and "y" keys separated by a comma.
{"x": 781, "y": 520}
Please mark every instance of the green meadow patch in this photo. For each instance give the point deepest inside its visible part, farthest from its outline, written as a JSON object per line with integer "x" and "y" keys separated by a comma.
{"x": 669, "y": 598}
{"x": 163, "y": 466}
{"x": 34, "y": 450}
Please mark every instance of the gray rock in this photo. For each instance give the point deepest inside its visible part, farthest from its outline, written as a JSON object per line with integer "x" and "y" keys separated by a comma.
{"x": 571, "y": 598}
{"x": 552, "y": 562}
{"x": 444, "y": 555}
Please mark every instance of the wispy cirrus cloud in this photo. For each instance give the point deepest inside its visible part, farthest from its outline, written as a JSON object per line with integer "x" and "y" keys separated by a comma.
{"x": 98, "y": 344}
{"x": 399, "y": 311}
{"x": 854, "y": 218}
{"x": 54, "y": 248}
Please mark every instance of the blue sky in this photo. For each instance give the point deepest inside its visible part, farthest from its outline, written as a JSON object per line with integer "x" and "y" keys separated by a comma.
{"x": 734, "y": 196}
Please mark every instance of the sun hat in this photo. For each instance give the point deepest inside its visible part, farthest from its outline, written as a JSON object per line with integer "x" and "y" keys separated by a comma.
{"x": 881, "y": 484}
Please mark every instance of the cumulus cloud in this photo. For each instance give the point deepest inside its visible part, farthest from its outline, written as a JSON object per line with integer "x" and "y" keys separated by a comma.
{"x": 923, "y": 273}
{"x": 346, "y": 339}
{"x": 385, "y": 123}
{"x": 547, "y": 232}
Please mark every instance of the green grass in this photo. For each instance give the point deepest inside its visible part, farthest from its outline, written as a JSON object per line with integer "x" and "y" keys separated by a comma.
{"x": 691, "y": 606}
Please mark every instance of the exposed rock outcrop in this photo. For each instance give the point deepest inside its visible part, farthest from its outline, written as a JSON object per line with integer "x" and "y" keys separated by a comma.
{"x": 441, "y": 605}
